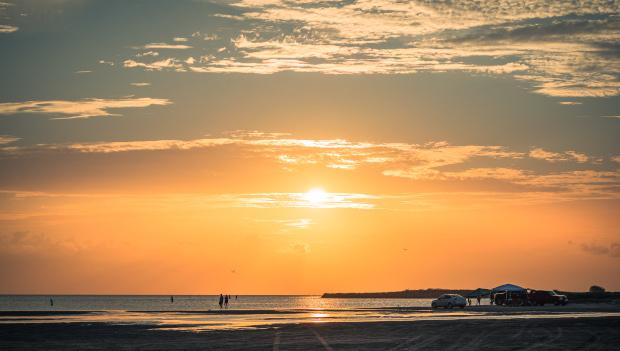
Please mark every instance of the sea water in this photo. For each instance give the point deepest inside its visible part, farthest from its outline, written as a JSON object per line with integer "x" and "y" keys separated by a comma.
{"x": 202, "y": 312}
{"x": 192, "y": 302}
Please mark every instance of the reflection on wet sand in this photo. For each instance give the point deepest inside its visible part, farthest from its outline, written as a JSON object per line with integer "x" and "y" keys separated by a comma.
{"x": 244, "y": 319}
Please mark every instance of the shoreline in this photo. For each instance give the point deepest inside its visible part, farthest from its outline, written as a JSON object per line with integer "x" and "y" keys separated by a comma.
{"x": 571, "y": 307}
{"x": 507, "y": 334}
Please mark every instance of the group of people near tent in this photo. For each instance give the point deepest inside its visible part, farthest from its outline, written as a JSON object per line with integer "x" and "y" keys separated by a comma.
{"x": 507, "y": 294}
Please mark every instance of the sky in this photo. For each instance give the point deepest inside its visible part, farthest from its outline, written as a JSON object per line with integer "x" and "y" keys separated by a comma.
{"x": 302, "y": 147}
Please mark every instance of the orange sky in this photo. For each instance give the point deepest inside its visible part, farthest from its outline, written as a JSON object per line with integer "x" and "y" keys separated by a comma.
{"x": 173, "y": 146}
{"x": 246, "y": 219}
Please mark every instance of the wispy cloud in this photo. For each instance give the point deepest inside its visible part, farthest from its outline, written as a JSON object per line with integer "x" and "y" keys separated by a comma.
{"x": 156, "y": 65}
{"x": 611, "y": 250}
{"x": 565, "y": 50}
{"x": 84, "y": 108}
{"x": 140, "y": 84}
{"x": 166, "y": 46}
{"x": 7, "y": 139}
{"x": 4, "y": 28}
{"x": 551, "y": 156}
{"x": 298, "y": 223}
{"x": 581, "y": 175}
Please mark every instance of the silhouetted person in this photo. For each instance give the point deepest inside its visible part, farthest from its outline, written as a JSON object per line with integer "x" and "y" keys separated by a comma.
{"x": 478, "y": 298}
{"x": 226, "y": 300}
{"x": 51, "y": 302}
{"x": 171, "y": 299}
{"x": 221, "y": 300}
{"x": 469, "y": 301}
{"x": 236, "y": 297}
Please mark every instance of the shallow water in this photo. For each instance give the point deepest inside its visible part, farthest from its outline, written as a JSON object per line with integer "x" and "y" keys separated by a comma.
{"x": 192, "y": 303}
{"x": 197, "y": 313}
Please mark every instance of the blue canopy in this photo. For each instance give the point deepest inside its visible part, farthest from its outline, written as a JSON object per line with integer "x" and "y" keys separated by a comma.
{"x": 509, "y": 288}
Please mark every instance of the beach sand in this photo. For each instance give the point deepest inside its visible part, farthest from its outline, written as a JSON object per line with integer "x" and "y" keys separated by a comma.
{"x": 601, "y": 333}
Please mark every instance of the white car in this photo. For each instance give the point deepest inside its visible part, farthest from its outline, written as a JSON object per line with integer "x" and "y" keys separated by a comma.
{"x": 449, "y": 301}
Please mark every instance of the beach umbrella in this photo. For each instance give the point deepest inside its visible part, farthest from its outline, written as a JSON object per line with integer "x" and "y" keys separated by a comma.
{"x": 508, "y": 288}
{"x": 479, "y": 292}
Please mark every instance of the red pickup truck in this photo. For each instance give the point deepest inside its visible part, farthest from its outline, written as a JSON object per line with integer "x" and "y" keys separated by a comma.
{"x": 541, "y": 297}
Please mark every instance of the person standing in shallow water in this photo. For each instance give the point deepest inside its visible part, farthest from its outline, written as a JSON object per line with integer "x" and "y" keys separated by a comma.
{"x": 171, "y": 299}
{"x": 221, "y": 300}
{"x": 51, "y": 302}
{"x": 226, "y": 301}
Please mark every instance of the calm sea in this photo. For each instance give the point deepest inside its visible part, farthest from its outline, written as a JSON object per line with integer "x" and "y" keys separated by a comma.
{"x": 191, "y": 303}
{"x": 202, "y": 312}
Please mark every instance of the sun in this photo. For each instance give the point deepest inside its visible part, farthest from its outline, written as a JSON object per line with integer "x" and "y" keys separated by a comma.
{"x": 315, "y": 195}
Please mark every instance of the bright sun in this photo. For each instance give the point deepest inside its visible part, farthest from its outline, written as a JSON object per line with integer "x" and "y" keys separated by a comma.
{"x": 315, "y": 195}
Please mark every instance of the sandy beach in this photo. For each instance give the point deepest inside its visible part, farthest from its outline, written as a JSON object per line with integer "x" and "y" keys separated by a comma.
{"x": 513, "y": 331}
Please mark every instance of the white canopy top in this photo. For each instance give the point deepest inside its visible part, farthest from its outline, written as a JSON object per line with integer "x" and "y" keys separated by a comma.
{"x": 508, "y": 287}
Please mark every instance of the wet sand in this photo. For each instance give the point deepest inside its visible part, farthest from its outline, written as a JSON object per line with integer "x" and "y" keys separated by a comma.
{"x": 601, "y": 333}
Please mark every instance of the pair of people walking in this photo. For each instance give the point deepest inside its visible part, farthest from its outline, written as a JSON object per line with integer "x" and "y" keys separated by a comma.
{"x": 224, "y": 300}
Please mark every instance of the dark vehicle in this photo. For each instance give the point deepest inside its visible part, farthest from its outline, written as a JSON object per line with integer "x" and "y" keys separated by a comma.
{"x": 511, "y": 299}
{"x": 541, "y": 297}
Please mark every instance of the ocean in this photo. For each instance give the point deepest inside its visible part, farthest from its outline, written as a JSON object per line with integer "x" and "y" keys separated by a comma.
{"x": 193, "y": 303}
{"x": 202, "y": 312}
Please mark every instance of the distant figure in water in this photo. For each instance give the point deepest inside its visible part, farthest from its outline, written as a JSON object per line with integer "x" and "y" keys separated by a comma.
{"x": 226, "y": 301}
{"x": 469, "y": 301}
{"x": 221, "y": 300}
{"x": 478, "y": 300}
{"x": 236, "y": 297}
{"x": 171, "y": 299}
{"x": 51, "y": 302}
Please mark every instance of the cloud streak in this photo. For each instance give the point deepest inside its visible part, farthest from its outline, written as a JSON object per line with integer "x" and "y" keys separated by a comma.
{"x": 4, "y": 28}
{"x": 611, "y": 250}
{"x": 85, "y": 108}
{"x": 581, "y": 176}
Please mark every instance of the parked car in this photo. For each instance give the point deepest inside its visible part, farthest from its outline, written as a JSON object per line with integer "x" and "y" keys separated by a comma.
{"x": 449, "y": 301}
{"x": 541, "y": 297}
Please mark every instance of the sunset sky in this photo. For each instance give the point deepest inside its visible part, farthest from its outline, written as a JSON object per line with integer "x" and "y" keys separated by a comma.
{"x": 300, "y": 147}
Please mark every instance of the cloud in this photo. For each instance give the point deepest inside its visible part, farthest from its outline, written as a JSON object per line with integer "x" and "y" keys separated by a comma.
{"x": 85, "y": 108}
{"x": 148, "y": 53}
{"x": 140, "y": 84}
{"x": 166, "y": 46}
{"x": 439, "y": 163}
{"x": 299, "y": 223}
{"x": 550, "y": 156}
{"x": 7, "y": 139}
{"x": 155, "y": 66}
{"x": 83, "y": 72}
{"x": 611, "y": 250}
{"x": 569, "y": 103}
{"x": 565, "y": 50}
{"x": 300, "y": 200}
{"x": 4, "y": 28}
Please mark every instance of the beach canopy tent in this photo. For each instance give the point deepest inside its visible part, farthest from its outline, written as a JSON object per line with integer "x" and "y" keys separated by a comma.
{"x": 480, "y": 292}
{"x": 508, "y": 288}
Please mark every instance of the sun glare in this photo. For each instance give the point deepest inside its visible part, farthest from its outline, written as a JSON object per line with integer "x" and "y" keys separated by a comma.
{"x": 315, "y": 195}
